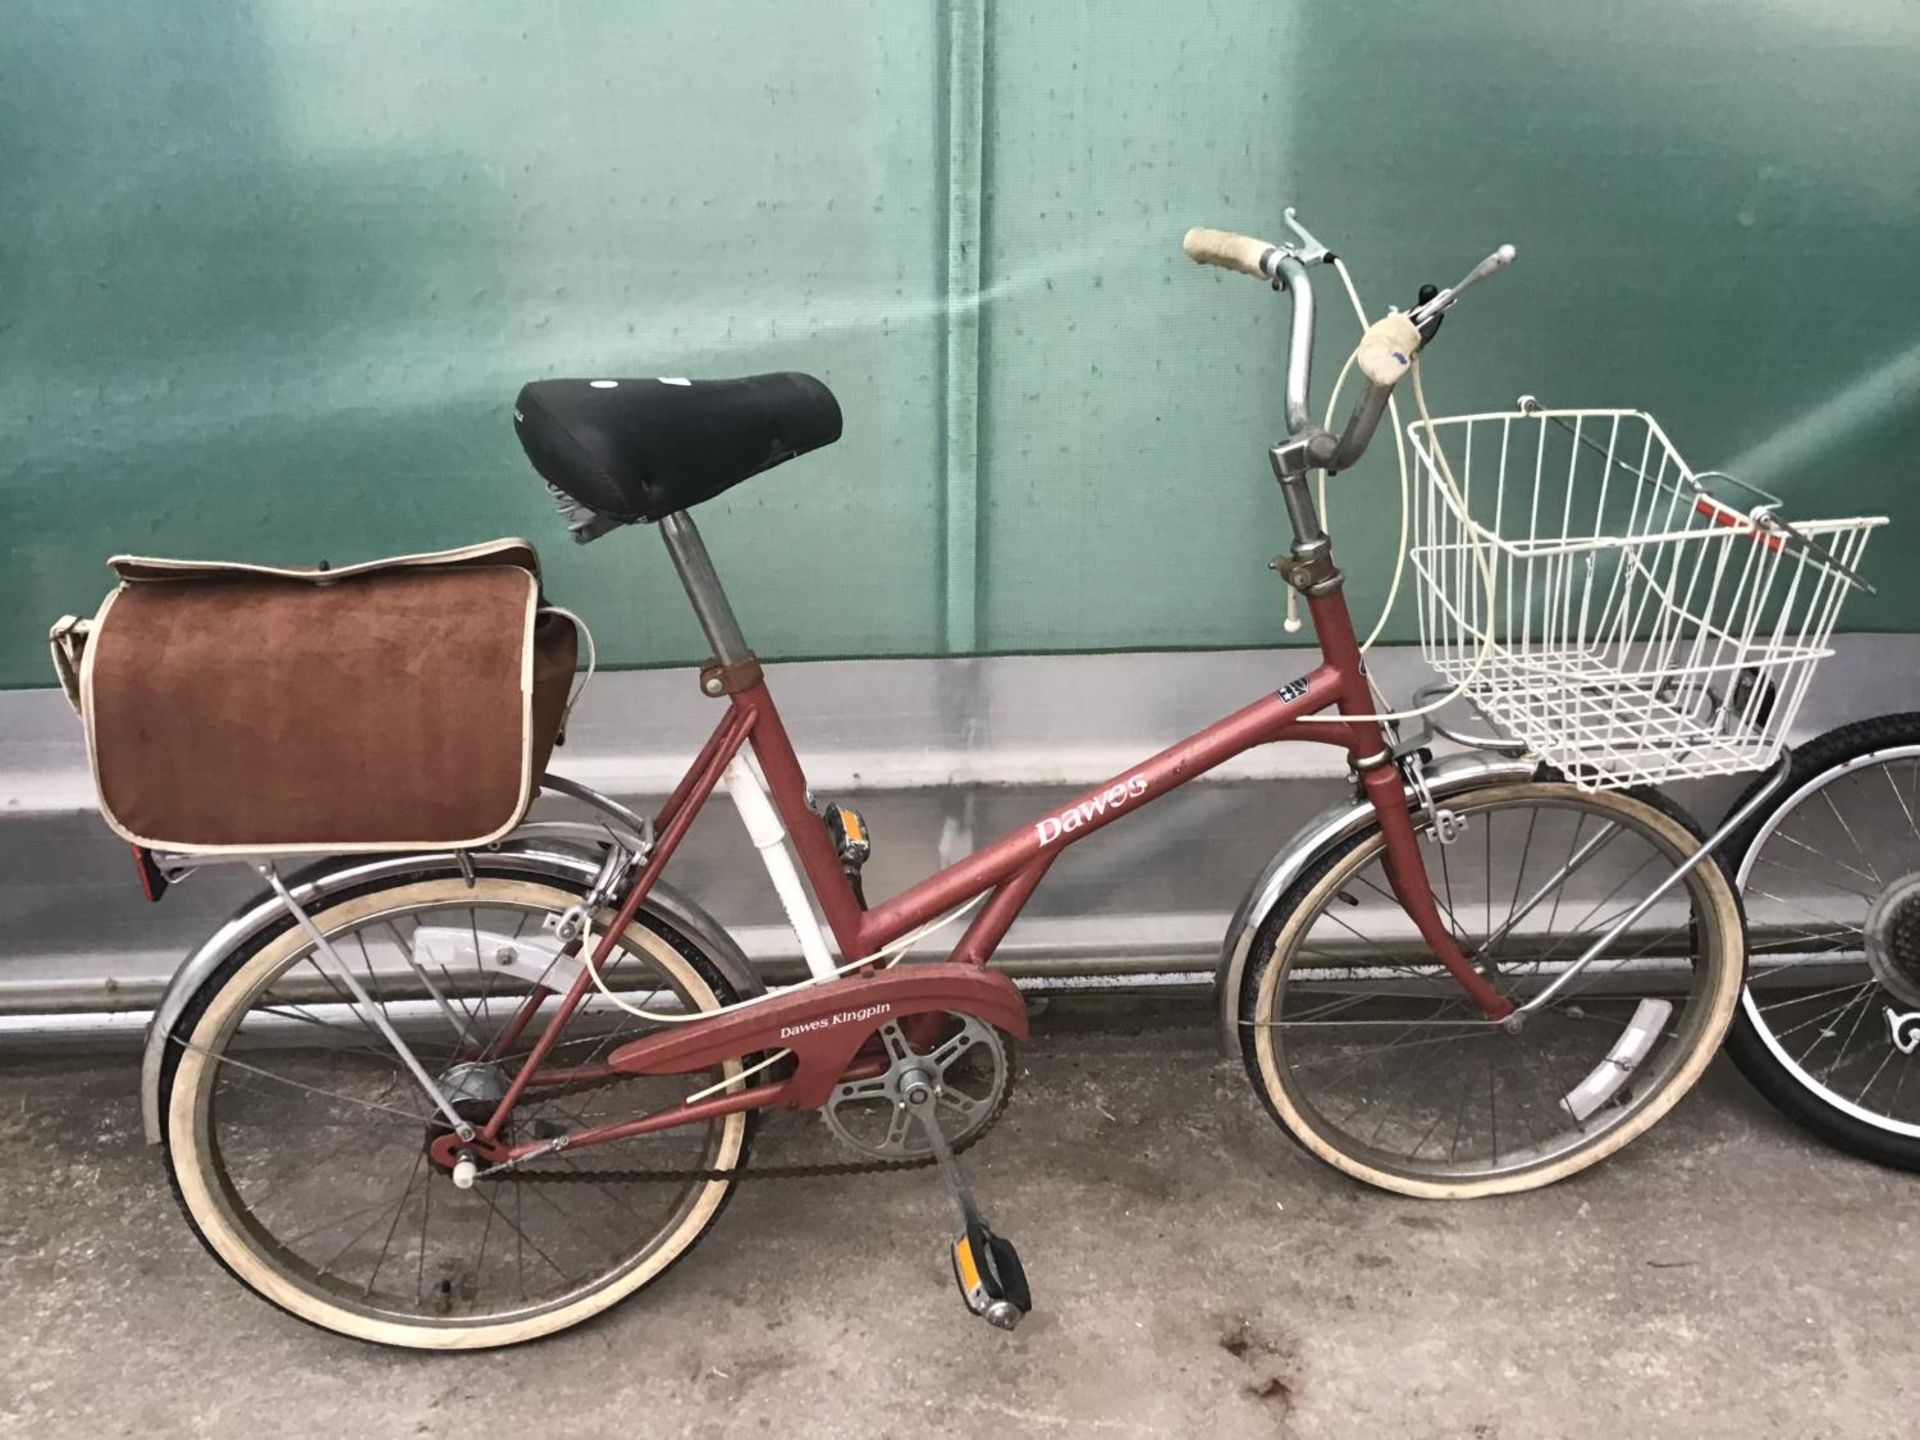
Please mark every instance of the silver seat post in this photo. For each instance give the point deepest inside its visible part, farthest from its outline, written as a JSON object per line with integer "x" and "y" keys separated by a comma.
{"x": 702, "y": 584}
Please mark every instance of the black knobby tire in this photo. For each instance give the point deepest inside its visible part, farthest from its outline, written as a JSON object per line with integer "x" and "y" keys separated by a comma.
{"x": 1747, "y": 1045}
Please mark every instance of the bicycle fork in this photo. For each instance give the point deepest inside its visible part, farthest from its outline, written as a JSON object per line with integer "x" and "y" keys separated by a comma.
{"x": 1309, "y": 568}
{"x": 1407, "y": 874}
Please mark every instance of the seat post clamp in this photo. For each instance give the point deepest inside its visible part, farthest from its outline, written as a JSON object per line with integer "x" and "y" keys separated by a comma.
{"x": 718, "y": 679}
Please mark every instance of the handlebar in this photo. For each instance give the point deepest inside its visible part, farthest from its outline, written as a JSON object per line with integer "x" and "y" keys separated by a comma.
{"x": 1384, "y": 356}
{"x": 1229, "y": 251}
{"x": 1285, "y": 266}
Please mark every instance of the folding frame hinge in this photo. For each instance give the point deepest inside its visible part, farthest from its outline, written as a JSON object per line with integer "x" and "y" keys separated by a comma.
{"x": 717, "y": 679}
{"x": 1311, "y": 574}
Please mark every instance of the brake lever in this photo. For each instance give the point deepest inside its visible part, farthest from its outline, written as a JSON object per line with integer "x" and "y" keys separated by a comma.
{"x": 1441, "y": 303}
{"x": 1308, "y": 251}
{"x": 1429, "y": 327}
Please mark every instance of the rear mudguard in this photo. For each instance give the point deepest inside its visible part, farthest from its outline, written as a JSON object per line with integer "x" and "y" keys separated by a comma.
{"x": 536, "y": 849}
{"x": 825, "y": 1025}
{"x": 1448, "y": 777}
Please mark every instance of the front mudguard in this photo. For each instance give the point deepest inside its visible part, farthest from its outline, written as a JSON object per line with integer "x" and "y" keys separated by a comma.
{"x": 1448, "y": 777}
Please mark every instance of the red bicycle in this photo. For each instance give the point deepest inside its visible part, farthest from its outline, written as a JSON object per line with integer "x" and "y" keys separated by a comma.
{"x": 463, "y": 1099}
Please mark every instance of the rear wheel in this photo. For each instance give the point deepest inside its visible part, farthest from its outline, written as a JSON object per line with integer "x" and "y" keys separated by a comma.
{"x": 1371, "y": 1055}
{"x": 298, "y": 1140}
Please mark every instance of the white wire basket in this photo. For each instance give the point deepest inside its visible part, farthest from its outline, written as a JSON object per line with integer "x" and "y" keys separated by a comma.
{"x": 1599, "y": 603}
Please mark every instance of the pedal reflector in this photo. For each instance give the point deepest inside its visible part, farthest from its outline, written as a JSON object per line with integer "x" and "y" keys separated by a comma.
{"x": 967, "y": 1272}
{"x": 991, "y": 1278}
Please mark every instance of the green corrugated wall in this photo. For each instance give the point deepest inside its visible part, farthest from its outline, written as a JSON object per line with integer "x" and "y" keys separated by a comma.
{"x": 271, "y": 271}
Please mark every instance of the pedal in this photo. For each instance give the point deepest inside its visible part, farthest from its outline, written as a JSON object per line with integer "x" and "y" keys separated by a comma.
{"x": 991, "y": 1278}
{"x": 847, "y": 828}
{"x": 852, "y": 842}
{"x": 986, "y": 1267}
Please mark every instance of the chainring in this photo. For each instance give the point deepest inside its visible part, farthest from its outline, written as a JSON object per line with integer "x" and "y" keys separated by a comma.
{"x": 968, "y": 1068}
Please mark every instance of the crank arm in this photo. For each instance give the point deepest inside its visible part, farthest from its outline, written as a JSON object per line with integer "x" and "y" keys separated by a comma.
{"x": 986, "y": 1267}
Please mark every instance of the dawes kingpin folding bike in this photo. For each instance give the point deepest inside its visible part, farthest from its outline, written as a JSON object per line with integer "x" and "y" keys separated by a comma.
{"x": 463, "y": 1098}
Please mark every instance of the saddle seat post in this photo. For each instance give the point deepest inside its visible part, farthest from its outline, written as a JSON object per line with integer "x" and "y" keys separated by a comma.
{"x": 732, "y": 670}
{"x": 733, "y": 667}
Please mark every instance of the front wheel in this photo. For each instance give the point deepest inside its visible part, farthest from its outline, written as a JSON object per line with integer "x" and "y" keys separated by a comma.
{"x": 1368, "y": 1052}
{"x": 301, "y": 1145}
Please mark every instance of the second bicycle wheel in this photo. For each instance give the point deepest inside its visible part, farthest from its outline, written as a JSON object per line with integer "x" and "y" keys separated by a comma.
{"x": 1829, "y": 1026}
{"x": 1371, "y": 1055}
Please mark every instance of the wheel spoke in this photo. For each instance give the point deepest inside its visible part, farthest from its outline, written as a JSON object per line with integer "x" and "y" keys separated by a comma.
{"x": 1387, "y": 1063}
{"x": 317, "y": 1146}
{"x": 1843, "y": 847}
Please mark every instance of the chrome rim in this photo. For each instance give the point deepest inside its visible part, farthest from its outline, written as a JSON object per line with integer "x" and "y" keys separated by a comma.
{"x": 314, "y": 1137}
{"x": 1817, "y": 881}
{"x": 1384, "y": 1056}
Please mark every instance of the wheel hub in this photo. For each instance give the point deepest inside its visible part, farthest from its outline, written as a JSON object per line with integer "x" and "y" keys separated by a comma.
{"x": 1893, "y": 939}
{"x": 965, "y": 1071}
{"x": 475, "y": 1089}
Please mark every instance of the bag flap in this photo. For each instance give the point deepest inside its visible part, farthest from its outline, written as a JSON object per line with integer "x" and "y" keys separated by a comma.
{"x": 508, "y": 551}
{"x": 248, "y": 715}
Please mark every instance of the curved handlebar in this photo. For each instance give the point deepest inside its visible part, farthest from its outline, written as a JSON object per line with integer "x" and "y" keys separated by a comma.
{"x": 1286, "y": 268}
{"x": 1385, "y": 354}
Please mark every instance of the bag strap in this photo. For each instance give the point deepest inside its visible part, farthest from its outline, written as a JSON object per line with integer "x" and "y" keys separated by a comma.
{"x": 67, "y": 639}
{"x": 593, "y": 657}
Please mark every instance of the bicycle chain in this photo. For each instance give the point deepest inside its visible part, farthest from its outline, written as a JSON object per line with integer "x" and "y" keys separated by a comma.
{"x": 813, "y": 1171}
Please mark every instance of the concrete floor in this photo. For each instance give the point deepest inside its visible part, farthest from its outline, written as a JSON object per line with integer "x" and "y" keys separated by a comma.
{"x": 1196, "y": 1275}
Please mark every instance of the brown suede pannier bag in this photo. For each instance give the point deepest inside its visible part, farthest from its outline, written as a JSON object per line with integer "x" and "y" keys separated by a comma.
{"x": 402, "y": 704}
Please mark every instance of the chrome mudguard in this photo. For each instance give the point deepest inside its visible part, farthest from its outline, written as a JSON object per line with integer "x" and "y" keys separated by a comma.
{"x": 1446, "y": 777}
{"x": 540, "y": 847}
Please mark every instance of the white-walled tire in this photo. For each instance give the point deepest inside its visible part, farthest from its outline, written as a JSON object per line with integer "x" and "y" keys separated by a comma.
{"x": 284, "y": 1111}
{"x": 1370, "y": 1055}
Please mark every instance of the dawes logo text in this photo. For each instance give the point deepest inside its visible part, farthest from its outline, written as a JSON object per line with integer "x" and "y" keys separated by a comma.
{"x": 1116, "y": 796}
{"x": 865, "y": 1012}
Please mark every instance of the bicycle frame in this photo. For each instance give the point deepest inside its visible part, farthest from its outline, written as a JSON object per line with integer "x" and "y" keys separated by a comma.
{"x": 1011, "y": 867}
{"x": 821, "y": 1025}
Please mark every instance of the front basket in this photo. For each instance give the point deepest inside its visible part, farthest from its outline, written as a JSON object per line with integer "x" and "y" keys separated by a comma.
{"x": 1595, "y": 598}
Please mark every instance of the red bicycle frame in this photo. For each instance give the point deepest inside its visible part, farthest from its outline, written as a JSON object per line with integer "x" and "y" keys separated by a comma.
{"x": 1010, "y": 867}
{"x": 826, "y": 1042}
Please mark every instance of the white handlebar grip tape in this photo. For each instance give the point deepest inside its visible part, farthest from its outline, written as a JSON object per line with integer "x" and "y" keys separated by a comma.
{"x": 769, "y": 837}
{"x": 1387, "y": 349}
{"x": 1228, "y": 250}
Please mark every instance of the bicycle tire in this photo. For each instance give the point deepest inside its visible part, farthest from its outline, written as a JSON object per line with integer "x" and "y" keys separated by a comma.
{"x": 1751, "y": 1044}
{"x": 1286, "y": 931}
{"x": 253, "y": 1267}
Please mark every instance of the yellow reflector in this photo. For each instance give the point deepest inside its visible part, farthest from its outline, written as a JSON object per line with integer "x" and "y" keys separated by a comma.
{"x": 963, "y": 1257}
